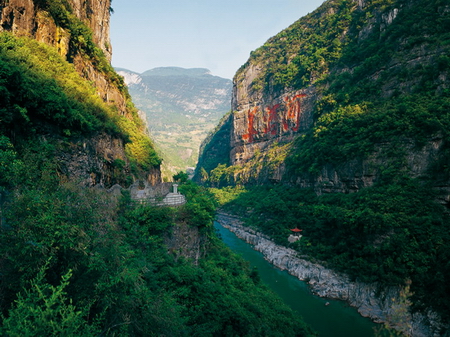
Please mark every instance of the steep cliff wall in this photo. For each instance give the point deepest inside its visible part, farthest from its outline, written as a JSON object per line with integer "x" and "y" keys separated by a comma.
{"x": 345, "y": 55}
{"x": 31, "y": 18}
{"x": 34, "y": 19}
{"x": 351, "y": 101}
{"x": 259, "y": 121}
{"x": 215, "y": 149}
{"x": 79, "y": 31}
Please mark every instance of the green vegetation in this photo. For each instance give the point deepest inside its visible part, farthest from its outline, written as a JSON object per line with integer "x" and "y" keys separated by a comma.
{"x": 383, "y": 98}
{"x": 303, "y": 53}
{"x": 214, "y": 149}
{"x": 389, "y": 233}
{"x": 75, "y": 261}
{"x": 355, "y": 131}
{"x": 354, "y": 115}
{"x": 181, "y": 106}
{"x": 39, "y": 88}
{"x": 262, "y": 164}
{"x": 43, "y": 310}
{"x": 369, "y": 93}
{"x": 81, "y": 41}
{"x": 181, "y": 177}
{"x": 41, "y": 93}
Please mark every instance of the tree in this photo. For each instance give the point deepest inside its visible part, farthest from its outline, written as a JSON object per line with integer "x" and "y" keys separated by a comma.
{"x": 180, "y": 177}
{"x": 44, "y": 310}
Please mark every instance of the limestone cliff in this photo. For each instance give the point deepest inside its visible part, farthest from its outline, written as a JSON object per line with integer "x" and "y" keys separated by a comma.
{"x": 34, "y": 19}
{"x": 346, "y": 54}
{"x": 27, "y": 18}
{"x": 79, "y": 31}
{"x": 349, "y": 100}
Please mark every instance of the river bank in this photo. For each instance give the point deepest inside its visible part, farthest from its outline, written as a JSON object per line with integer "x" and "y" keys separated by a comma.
{"x": 388, "y": 305}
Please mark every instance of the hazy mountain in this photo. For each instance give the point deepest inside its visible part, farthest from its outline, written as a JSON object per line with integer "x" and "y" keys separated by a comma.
{"x": 181, "y": 106}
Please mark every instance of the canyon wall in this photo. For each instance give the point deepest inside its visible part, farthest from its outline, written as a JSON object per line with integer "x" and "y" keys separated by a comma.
{"x": 28, "y": 18}
{"x": 351, "y": 96}
{"x": 79, "y": 31}
{"x": 296, "y": 77}
{"x": 259, "y": 121}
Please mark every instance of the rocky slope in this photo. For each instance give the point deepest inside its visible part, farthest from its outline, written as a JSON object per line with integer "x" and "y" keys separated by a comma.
{"x": 34, "y": 19}
{"x": 182, "y": 105}
{"x": 79, "y": 31}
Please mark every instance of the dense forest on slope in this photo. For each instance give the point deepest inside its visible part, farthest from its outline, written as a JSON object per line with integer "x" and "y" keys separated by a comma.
{"x": 76, "y": 261}
{"x": 381, "y": 78}
{"x": 381, "y": 73}
{"x": 48, "y": 107}
{"x": 378, "y": 97}
{"x": 79, "y": 261}
{"x": 392, "y": 233}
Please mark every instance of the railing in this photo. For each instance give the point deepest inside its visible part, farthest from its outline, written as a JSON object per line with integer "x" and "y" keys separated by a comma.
{"x": 172, "y": 199}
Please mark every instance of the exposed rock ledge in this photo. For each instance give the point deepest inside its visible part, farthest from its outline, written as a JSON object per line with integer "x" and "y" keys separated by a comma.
{"x": 381, "y": 306}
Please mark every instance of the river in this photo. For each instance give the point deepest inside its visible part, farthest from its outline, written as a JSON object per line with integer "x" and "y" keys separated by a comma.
{"x": 330, "y": 318}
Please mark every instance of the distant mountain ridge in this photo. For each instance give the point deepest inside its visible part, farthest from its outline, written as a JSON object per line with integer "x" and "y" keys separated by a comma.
{"x": 176, "y": 71}
{"x": 181, "y": 106}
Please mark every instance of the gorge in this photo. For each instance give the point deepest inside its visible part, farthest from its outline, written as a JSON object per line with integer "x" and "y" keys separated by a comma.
{"x": 330, "y": 318}
{"x": 383, "y": 306}
{"x": 78, "y": 255}
{"x": 180, "y": 106}
{"x": 339, "y": 127}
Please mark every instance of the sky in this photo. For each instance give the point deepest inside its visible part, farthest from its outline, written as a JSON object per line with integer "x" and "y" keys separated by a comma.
{"x": 214, "y": 34}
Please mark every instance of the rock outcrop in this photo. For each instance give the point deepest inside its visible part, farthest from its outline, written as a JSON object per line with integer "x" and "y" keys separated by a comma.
{"x": 356, "y": 174}
{"x": 259, "y": 121}
{"x": 90, "y": 160}
{"x": 186, "y": 241}
{"x": 25, "y": 18}
{"x": 280, "y": 92}
{"x": 388, "y": 305}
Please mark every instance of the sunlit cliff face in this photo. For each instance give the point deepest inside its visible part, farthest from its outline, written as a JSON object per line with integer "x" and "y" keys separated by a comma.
{"x": 24, "y": 18}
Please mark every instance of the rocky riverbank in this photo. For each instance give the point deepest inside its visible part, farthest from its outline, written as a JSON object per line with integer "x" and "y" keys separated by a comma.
{"x": 387, "y": 305}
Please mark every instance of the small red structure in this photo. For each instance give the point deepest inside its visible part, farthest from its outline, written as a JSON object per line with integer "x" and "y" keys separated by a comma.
{"x": 296, "y": 231}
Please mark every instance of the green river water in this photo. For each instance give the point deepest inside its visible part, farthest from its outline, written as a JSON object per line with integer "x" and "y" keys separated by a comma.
{"x": 335, "y": 319}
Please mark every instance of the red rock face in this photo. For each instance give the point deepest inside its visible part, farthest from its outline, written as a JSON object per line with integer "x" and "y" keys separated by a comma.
{"x": 254, "y": 128}
{"x": 277, "y": 119}
{"x": 271, "y": 119}
{"x": 293, "y": 112}
{"x": 251, "y": 131}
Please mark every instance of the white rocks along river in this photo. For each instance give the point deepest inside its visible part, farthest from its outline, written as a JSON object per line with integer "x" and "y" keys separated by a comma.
{"x": 381, "y": 305}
